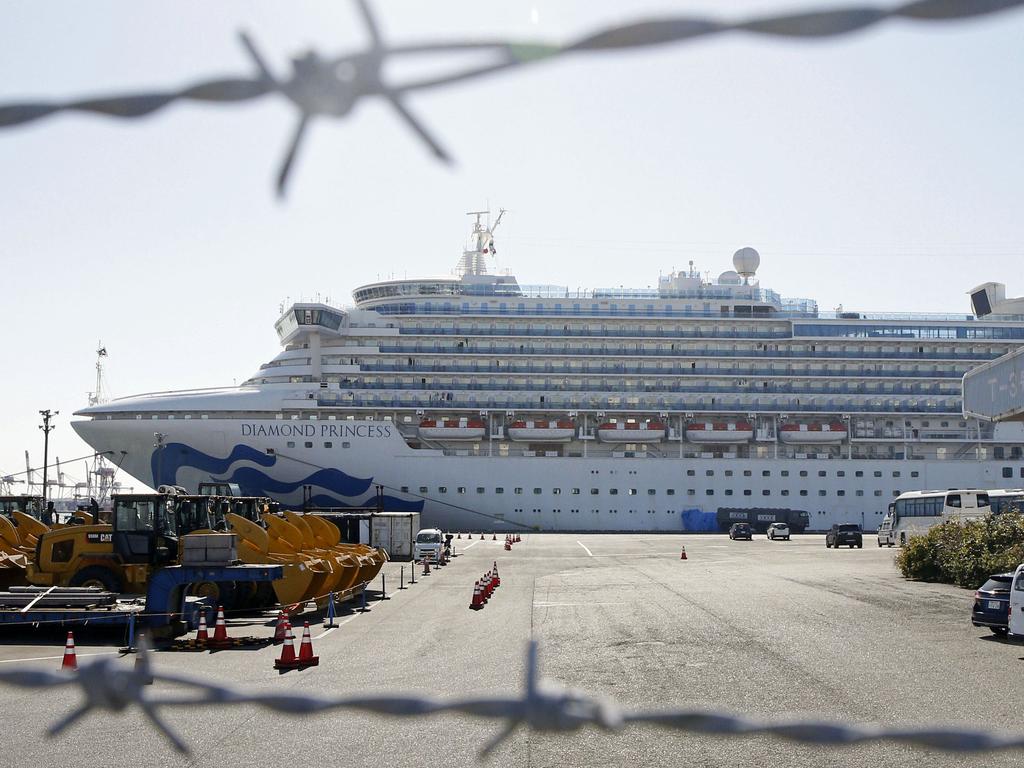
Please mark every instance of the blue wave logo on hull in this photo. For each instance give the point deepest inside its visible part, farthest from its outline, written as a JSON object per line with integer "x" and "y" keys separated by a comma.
{"x": 253, "y": 482}
{"x": 165, "y": 463}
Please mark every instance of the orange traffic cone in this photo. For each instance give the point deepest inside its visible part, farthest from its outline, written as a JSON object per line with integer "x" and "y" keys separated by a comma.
{"x": 287, "y": 660}
{"x": 478, "y": 600}
{"x": 458, "y": 536}
{"x": 481, "y": 537}
{"x": 202, "y": 636}
{"x": 279, "y": 630}
{"x": 497, "y": 578}
{"x": 508, "y": 545}
{"x": 426, "y": 565}
{"x": 306, "y": 657}
{"x": 220, "y": 631}
{"x": 70, "y": 661}
{"x": 494, "y": 537}
{"x": 682, "y": 554}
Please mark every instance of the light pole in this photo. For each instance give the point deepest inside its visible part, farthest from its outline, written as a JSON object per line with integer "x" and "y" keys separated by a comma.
{"x": 47, "y": 428}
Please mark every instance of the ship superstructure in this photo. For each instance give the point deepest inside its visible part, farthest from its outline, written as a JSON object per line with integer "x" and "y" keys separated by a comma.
{"x": 486, "y": 403}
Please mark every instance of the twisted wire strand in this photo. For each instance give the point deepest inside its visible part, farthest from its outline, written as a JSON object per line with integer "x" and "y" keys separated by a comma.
{"x": 543, "y": 707}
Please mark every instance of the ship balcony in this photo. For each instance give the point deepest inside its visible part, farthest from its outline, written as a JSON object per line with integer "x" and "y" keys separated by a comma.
{"x": 919, "y": 389}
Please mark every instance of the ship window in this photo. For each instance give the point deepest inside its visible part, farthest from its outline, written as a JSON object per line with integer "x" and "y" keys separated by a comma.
{"x": 709, "y": 472}
{"x": 766, "y": 473}
{"x": 690, "y": 473}
{"x": 766, "y": 492}
{"x": 555, "y": 491}
{"x": 859, "y": 473}
{"x": 594, "y": 491}
{"x": 840, "y": 493}
{"x": 785, "y": 473}
{"x": 841, "y": 473}
{"x": 424, "y": 489}
{"x": 784, "y": 492}
{"x": 878, "y": 493}
{"x": 346, "y": 444}
{"x": 728, "y": 492}
{"x": 859, "y": 492}
{"x": 575, "y": 491}
{"x": 878, "y": 473}
{"x": 328, "y": 444}
{"x": 746, "y": 491}
{"x": 691, "y": 492}
{"x": 499, "y": 490}
{"x": 404, "y": 489}
{"x": 728, "y": 473}
{"x": 803, "y": 492}
{"x": 442, "y": 489}
{"x": 290, "y": 443}
{"x": 803, "y": 473}
{"x": 537, "y": 491}
{"x": 614, "y": 491}
{"x": 915, "y": 473}
{"x": 896, "y": 473}
{"x": 709, "y": 492}
{"x": 821, "y": 473}
{"x": 651, "y": 491}
{"x": 1007, "y": 471}
{"x": 461, "y": 489}
{"x": 632, "y": 491}
{"x": 670, "y": 492}
{"x": 309, "y": 444}
{"x": 518, "y": 491}
{"x": 822, "y": 493}
{"x": 480, "y": 489}
{"x": 746, "y": 473}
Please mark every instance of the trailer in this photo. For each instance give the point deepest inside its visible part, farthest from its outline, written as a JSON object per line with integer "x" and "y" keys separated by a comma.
{"x": 167, "y": 609}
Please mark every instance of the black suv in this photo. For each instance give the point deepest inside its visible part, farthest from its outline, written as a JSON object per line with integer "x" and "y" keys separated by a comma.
{"x": 992, "y": 603}
{"x": 844, "y": 533}
{"x": 741, "y": 531}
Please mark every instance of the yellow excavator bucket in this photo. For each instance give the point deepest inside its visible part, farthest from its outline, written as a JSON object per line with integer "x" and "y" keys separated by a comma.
{"x": 328, "y": 536}
{"x": 29, "y": 528}
{"x": 303, "y": 576}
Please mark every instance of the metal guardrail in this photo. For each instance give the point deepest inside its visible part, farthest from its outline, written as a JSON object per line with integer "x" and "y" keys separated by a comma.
{"x": 321, "y": 86}
{"x": 543, "y": 707}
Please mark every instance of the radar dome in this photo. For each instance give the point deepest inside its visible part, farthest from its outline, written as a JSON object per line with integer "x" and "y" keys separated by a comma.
{"x": 746, "y": 261}
{"x": 730, "y": 278}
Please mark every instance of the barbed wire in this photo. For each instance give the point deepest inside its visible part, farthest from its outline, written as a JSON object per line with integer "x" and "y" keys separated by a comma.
{"x": 541, "y": 706}
{"x": 332, "y": 86}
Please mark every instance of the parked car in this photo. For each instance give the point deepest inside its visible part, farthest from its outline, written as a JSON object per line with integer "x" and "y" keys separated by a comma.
{"x": 741, "y": 531}
{"x": 992, "y": 603}
{"x": 778, "y": 531}
{"x": 844, "y": 533}
{"x": 429, "y": 542}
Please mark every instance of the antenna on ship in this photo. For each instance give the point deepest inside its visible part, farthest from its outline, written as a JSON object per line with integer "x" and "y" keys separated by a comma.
{"x": 474, "y": 258}
{"x": 96, "y": 396}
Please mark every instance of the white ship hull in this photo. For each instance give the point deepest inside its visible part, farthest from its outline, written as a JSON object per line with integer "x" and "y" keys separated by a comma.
{"x": 365, "y": 454}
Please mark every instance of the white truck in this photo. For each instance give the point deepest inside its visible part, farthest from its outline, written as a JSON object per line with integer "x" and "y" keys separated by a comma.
{"x": 1015, "y": 621}
{"x": 429, "y": 543}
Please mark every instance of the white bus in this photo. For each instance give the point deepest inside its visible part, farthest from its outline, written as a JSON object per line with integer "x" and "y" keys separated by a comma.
{"x": 914, "y": 513}
{"x": 1006, "y": 500}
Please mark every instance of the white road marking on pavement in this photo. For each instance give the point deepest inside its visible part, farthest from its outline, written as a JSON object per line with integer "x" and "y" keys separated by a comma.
{"x": 585, "y": 548}
{"x": 718, "y": 546}
{"x": 471, "y": 545}
{"x": 48, "y": 658}
{"x": 561, "y": 605}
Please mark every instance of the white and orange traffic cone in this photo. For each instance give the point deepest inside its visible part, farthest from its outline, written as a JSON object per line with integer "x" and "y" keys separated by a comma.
{"x": 478, "y": 600}
{"x": 426, "y": 566}
{"x": 682, "y": 554}
{"x": 202, "y": 635}
{"x": 287, "y": 659}
{"x": 279, "y": 630}
{"x": 220, "y": 631}
{"x": 70, "y": 661}
{"x": 306, "y": 657}
{"x": 497, "y": 578}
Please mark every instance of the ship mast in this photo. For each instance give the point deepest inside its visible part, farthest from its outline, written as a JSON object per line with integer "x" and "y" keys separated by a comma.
{"x": 474, "y": 258}
{"x": 96, "y": 396}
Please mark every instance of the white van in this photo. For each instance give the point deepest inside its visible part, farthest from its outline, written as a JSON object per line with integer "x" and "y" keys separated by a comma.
{"x": 1016, "y": 618}
{"x": 429, "y": 542}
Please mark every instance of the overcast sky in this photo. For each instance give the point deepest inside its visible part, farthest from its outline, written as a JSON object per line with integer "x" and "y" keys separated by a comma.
{"x": 881, "y": 171}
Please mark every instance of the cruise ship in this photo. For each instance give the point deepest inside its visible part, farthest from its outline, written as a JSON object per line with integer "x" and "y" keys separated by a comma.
{"x": 486, "y": 404}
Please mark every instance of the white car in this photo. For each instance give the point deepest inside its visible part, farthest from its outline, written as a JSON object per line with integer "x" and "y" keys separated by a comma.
{"x": 778, "y": 531}
{"x": 429, "y": 542}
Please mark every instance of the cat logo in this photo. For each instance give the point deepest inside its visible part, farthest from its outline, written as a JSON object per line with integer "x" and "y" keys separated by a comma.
{"x": 99, "y": 538}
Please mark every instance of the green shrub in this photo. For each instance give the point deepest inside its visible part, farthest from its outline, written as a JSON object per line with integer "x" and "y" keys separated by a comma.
{"x": 965, "y": 553}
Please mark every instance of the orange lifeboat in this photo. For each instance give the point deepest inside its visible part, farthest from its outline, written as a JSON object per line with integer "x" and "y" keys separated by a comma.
{"x": 541, "y": 431}
{"x": 719, "y": 432}
{"x": 797, "y": 432}
{"x": 452, "y": 429}
{"x": 632, "y": 432}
